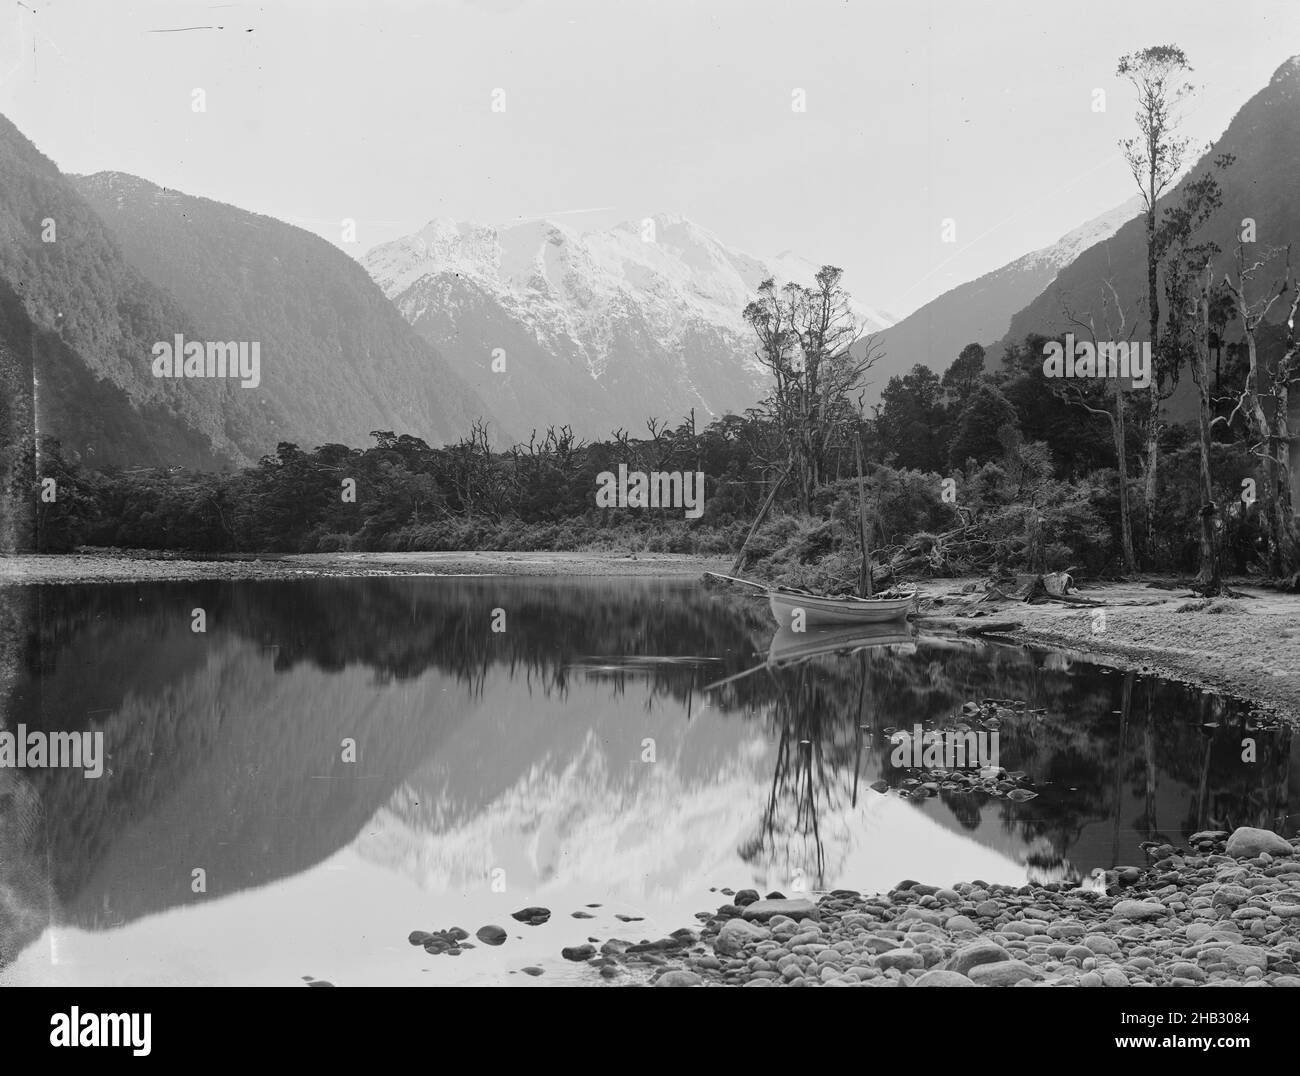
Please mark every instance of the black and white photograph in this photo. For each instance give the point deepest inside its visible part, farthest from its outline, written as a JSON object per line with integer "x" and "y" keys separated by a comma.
{"x": 693, "y": 493}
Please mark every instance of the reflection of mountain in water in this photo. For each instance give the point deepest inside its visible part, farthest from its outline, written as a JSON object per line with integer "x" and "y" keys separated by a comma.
{"x": 527, "y": 750}
{"x": 225, "y": 749}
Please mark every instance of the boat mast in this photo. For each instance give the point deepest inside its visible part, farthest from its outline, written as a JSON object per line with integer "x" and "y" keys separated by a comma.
{"x": 866, "y": 586}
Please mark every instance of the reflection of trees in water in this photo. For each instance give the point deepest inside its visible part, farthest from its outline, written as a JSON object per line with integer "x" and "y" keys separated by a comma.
{"x": 402, "y": 628}
{"x": 1231, "y": 792}
{"x": 802, "y": 774}
{"x": 1105, "y": 742}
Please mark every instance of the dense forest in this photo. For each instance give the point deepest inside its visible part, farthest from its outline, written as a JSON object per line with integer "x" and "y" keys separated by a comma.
{"x": 955, "y": 467}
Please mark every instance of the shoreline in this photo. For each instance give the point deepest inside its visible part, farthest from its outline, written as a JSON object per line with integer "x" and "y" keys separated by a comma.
{"x": 1247, "y": 647}
{"x": 1223, "y": 912}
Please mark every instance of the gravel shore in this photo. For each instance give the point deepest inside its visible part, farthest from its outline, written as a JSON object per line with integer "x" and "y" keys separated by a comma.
{"x": 125, "y": 567}
{"x": 1224, "y": 912}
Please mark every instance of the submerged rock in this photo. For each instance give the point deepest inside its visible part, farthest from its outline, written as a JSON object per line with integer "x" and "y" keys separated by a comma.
{"x": 491, "y": 934}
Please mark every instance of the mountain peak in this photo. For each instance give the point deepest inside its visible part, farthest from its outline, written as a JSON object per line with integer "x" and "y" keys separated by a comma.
{"x": 1289, "y": 69}
{"x": 109, "y": 180}
{"x": 668, "y": 223}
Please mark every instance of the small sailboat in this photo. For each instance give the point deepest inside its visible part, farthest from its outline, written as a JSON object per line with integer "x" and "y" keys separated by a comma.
{"x": 793, "y": 608}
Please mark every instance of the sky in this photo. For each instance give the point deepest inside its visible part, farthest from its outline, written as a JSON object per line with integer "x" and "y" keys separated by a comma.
{"x": 917, "y": 112}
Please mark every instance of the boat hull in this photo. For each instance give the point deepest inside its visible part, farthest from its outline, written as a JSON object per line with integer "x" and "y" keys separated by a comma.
{"x": 821, "y": 610}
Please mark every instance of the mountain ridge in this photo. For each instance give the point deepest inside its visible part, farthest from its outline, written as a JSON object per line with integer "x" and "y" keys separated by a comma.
{"x": 587, "y": 328}
{"x": 980, "y": 310}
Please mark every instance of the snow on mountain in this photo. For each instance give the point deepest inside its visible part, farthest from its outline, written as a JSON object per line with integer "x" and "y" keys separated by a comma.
{"x": 598, "y": 329}
{"x": 979, "y": 311}
{"x": 1072, "y": 244}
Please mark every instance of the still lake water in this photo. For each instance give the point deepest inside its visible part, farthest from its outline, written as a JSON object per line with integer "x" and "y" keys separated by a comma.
{"x": 580, "y": 757}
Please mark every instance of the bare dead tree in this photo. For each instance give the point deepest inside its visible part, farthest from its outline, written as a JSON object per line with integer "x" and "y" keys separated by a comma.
{"x": 817, "y": 353}
{"x": 1117, "y": 328}
{"x": 1194, "y": 308}
{"x": 1200, "y": 307}
{"x": 1270, "y": 432}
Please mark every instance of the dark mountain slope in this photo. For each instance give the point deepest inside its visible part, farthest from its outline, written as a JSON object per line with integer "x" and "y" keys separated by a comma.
{"x": 337, "y": 360}
{"x": 94, "y": 319}
{"x": 1265, "y": 138}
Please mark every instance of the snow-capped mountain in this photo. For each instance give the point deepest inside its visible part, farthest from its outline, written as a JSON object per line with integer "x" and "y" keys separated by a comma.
{"x": 979, "y": 311}
{"x": 597, "y": 330}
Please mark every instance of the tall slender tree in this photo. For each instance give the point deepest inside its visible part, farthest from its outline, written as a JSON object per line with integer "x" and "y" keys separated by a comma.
{"x": 1155, "y": 158}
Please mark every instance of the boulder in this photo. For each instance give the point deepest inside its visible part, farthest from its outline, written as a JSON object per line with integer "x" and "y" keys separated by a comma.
{"x": 1247, "y": 842}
